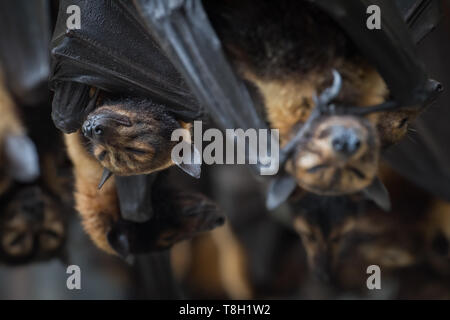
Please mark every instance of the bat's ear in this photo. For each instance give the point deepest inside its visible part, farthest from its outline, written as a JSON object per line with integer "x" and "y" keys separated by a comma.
{"x": 194, "y": 166}
{"x": 22, "y": 157}
{"x": 279, "y": 190}
{"x": 378, "y": 193}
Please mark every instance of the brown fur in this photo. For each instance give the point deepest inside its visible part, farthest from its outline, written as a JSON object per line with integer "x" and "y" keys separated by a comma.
{"x": 98, "y": 208}
{"x": 289, "y": 101}
{"x": 215, "y": 264}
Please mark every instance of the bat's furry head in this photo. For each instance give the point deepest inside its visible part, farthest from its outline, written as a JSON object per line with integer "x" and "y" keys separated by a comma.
{"x": 326, "y": 226}
{"x": 31, "y": 225}
{"x": 131, "y": 136}
{"x": 340, "y": 155}
{"x": 285, "y": 51}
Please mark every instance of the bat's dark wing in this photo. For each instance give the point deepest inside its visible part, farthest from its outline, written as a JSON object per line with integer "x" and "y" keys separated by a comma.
{"x": 422, "y": 16}
{"x": 424, "y": 157}
{"x": 185, "y": 33}
{"x": 25, "y": 31}
{"x": 114, "y": 52}
{"x": 391, "y": 49}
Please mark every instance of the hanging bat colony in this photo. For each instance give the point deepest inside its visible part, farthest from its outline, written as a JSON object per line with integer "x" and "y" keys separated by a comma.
{"x": 339, "y": 94}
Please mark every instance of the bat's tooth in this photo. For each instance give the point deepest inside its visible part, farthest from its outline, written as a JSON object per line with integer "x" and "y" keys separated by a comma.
{"x": 378, "y": 193}
{"x": 105, "y": 176}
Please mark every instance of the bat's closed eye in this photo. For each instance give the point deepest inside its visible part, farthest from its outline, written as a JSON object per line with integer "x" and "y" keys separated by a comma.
{"x": 135, "y": 150}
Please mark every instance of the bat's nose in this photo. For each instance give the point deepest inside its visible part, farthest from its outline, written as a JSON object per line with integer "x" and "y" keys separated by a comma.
{"x": 345, "y": 141}
{"x": 92, "y": 128}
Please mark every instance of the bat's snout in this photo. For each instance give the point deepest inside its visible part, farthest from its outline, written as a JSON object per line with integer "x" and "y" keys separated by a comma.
{"x": 345, "y": 141}
{"x": 93, "y": 128}
{"x": 103, "y": 125}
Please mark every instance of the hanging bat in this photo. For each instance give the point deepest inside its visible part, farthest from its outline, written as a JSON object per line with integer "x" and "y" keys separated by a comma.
{"x": 286, "y": 51}
{"x": 123, "y": 105}
{"x": 32, "y": 205}
{"x": 338, "y": 230}
{"x": 177, "y": 215}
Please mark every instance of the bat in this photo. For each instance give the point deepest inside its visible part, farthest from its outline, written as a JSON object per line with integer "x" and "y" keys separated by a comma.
{"x": 171, "y": 216}
{"x": 139, "y": 84}
{"x": 338, "y": 233}
{"x": 223, "y": 39}
{"x": 33, "y": 190}
{"x": 79, "y": 76}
